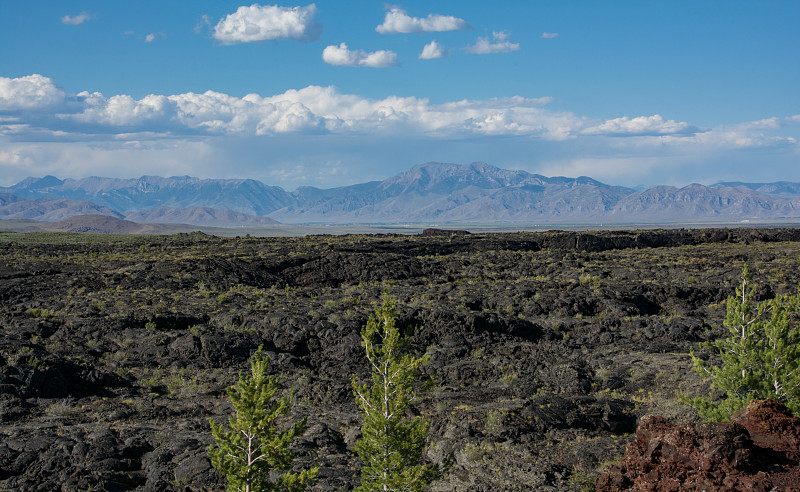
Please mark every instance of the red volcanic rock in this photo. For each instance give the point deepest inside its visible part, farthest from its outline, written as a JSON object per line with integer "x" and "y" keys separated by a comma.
{"x": 758, "y": 451}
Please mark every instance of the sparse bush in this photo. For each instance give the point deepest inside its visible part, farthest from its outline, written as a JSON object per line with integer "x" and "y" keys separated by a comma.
{"x": 494, "y": 421}
{"x": 47, "y": 314}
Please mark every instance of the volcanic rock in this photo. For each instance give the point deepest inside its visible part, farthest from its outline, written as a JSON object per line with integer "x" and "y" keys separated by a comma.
{"x": 759, "y": 450}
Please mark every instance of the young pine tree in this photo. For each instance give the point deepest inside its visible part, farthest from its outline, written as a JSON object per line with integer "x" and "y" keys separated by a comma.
{"x": 253, "y": 445}
{"x": 391, "y": 445}
{"x": 759, "y": 359}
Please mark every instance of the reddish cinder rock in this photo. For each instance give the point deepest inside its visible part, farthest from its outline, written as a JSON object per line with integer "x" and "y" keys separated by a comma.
{"x": 759, "y": 451}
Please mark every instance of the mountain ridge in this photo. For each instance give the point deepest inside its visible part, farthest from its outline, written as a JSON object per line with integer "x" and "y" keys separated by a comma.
{"x": 426, "y": 193}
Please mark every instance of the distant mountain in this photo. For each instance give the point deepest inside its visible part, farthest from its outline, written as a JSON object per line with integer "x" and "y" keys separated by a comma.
{"x": 97, "y": 224}
{"x": 49, "y": 210}
{"x": 780, "y": 188}
{"x": 450, "y": 193}
{"x": 239, "y": 195}
{"x": 427, "y": 193}
{"x": 437, "y": 192}
{"x": 201, "y": 216}
{"x": 666, "y": 203}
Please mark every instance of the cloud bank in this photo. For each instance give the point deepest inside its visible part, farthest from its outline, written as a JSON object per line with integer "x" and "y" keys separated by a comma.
{"x": 36, "y": 101}
{"x": 267, "y": 23}
{"x": 397, "y": 21}
{"x": 43, "y": 127}
{"x": 343, "y": 56}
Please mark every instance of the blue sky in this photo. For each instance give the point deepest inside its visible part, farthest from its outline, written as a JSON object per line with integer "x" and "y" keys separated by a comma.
{"x": 335, "y": 93}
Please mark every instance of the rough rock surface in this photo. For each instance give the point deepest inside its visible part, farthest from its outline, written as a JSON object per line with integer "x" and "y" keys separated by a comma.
{"x": 546, "y": 348}
{"x": 759, "y": 450}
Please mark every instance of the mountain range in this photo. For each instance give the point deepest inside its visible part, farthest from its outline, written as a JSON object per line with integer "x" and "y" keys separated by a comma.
{"x": 439, "y": 193}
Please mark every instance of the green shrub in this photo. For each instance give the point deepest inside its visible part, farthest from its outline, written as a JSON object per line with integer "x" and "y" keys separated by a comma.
{"x": 253, "y": 445}
{"x": 392, "y": 444}
{"x": 760, "y": 358}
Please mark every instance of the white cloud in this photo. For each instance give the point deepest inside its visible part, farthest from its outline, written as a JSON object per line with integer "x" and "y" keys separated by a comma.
{"x": 766, "y": 124}
{"x": 29, "y": 93}
{"x": 397, "y": 21}
{"x": 33, "y": 109}
{"x": 549, "y": 35}
{"x": 266, "y": 23}
{"x": 640, "y": 125}
{"x": 312, "y": 109}
{"x": 125, "y": 111}
{"x": 432, "y": 51}
{"x": 498, "y": 44}
{"x": 202, "y": 24}
{"x": 748, "y": 135}
{"x": 153, "y": 36}
{"x": 341, "y": 55}
{"x": 74, "y": 20}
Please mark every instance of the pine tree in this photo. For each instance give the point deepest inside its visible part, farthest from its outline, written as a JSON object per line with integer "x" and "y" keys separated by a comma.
{"x": 391, "y": 445}
{"x": 253, "y": 445}
{"x": 759, "y": 359}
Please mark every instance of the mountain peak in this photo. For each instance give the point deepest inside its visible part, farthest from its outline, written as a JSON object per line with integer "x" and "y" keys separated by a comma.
{"x": 31, "y": 183}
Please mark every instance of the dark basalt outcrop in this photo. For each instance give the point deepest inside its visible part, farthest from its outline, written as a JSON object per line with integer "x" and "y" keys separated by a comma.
{"x": 759, "y": 450}
{"x": 546, "y": 348}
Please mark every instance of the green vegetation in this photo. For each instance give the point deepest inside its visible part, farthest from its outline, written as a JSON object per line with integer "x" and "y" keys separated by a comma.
{"x": 759, "y": 359}
{"x": 391, "y": 444}
{"x": 253, "y": 445}
{"x": 71, "y": 238}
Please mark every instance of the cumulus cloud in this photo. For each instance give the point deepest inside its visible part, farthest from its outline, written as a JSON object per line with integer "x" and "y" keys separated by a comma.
{"x": 74, "y": 20}
{"x": 641, "y": 125}
{"x": 29, "y": 93}
{"x": 266, "y": 23}
{"x": 124, "y": 111}
{"x": 498, "y": 44}
{"x": 312, "y": 109}
{"x": 549, "y": 35}
{"x": 343, "y": 56}
{"x": 397, "y": 21}
{"x": 432, "y": 51}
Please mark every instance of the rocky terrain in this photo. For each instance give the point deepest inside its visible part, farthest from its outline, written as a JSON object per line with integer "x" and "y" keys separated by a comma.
{"x": 547, "y": 349}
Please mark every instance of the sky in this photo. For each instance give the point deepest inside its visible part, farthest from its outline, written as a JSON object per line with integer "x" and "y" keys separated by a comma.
{"x": 331, "y": 93}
